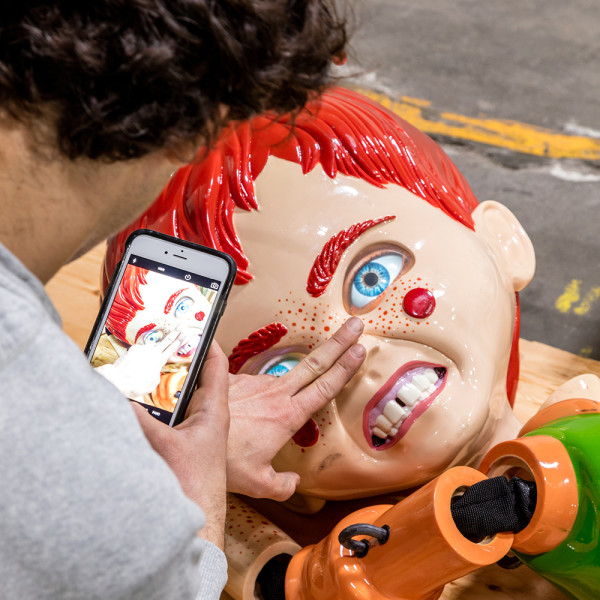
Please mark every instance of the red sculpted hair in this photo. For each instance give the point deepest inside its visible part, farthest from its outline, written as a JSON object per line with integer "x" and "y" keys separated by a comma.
{"x": 343, "y": 131}
{"x": 128, "y": 301}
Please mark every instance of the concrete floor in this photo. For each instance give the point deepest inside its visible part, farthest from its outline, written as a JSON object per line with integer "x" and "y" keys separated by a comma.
{"x": 535, "y": 62}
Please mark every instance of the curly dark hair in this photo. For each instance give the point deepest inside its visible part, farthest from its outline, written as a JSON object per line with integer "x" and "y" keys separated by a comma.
{"x": 122, "y": 78}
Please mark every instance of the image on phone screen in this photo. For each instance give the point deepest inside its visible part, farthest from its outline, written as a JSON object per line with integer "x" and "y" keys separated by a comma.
{"x": 152, "y": 330}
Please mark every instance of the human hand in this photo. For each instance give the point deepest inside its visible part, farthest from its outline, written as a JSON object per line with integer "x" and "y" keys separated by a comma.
{"x": 267, "y": 411}
{"x": 196, "y": 448}
{"x": 138, "y": 371}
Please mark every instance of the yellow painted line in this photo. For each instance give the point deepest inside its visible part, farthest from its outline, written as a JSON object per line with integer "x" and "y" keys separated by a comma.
{"x": 511, "y": 135}
{"x": 590, "y": 298}
{"x": 569, "y": 296}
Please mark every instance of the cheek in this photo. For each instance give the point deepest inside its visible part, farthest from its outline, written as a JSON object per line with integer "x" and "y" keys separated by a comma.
{"x": 406, "y": 308}
{"x": 309, "y": 321}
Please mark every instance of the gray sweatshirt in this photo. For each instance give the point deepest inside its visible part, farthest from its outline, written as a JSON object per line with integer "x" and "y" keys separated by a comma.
{"x": 87, "y": 509}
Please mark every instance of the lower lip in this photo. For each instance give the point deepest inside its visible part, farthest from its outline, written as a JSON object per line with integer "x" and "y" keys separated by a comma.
{"x": 416, "y": 412}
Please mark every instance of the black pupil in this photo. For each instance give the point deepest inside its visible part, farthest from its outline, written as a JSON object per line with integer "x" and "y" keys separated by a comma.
{"x": 371, "y": 279}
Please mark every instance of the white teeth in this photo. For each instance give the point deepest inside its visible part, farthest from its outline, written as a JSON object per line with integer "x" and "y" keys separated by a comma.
{"x": 379, "y": 433}
{"x": 409, "y": 394}
{"x": 383, "y": 423}
{"x": 431, "y": 375}
{"x": 421, "y": 382}
{"x": 420, "y": 387}
{"x": 394, "y": 412}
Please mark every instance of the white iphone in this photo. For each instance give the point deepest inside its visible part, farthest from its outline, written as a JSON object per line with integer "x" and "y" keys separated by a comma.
{"x": 158, "y": 318}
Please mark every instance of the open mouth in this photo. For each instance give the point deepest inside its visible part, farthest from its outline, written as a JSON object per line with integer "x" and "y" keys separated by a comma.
{"x": 406, "y": 395}
{"x": 188, "y": 348}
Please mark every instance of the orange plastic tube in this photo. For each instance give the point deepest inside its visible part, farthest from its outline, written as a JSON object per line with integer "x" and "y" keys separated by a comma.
{"x": 546, "y": 461}
{"x": 425, "y": 550}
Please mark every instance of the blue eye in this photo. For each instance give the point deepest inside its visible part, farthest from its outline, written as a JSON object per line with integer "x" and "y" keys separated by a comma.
{"x": 154, "y": 336}
{"x": 183, "y": 306}
{"x": 282, "y": 366}
{"x": 374, "y": 277}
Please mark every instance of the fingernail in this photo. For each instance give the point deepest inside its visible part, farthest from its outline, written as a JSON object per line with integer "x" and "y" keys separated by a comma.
{"x": 358, "y": 351}
{"x": 355, "y": 324}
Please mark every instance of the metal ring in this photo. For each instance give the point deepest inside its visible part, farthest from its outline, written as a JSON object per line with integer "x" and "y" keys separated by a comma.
{"x": 361, "y": 547}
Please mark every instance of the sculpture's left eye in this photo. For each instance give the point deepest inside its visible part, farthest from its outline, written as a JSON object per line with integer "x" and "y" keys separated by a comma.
{"x": 282, "y": 365}
{"x": 371, "y": 276}
{"x": 183, "y": 306}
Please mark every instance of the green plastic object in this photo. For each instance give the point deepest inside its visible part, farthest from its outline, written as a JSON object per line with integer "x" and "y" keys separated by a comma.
{"x": 574, "y": 565}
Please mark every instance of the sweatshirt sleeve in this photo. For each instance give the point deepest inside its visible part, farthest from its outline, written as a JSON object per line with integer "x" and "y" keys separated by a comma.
{"x": 88, "y": 509}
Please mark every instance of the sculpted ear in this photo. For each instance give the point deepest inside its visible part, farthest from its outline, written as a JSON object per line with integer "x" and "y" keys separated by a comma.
{"x": 505, "y": 236}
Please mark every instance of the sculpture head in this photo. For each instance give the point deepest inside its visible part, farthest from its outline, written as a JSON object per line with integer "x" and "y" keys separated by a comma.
{"x": 348, "y": 210}
{"x": 149, "y": 305}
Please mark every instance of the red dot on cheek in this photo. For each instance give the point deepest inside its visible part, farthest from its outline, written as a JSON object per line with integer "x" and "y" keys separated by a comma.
{"x": 419, "y": 303}
{"x": 307, "y": 435}
{"x": 199, "y": 316}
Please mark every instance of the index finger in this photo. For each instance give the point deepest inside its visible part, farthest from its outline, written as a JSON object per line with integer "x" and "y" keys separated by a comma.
{"x": 320, "y": 360}
{"x": 167, "y": 345}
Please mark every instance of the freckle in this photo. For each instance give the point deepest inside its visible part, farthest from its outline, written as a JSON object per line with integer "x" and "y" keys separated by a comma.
{"x": 299, "y": 310}
{"x": 303, "y": 327}
{"x": 329, "y": 423}
{"x": 289, "y": 312}
{"x": 312, "y": 328}
{"x": 326, "y": 328}
{"x": 395, "y": 288}
{"x": 370, "y": 320}
{"x": 302, "y": 450}
{"x": 385, "y": 312}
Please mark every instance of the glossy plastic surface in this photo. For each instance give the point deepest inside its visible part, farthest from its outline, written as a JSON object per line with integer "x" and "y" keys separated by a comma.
{"x": 424, "y": 551}
{"x": 352, "y": 212}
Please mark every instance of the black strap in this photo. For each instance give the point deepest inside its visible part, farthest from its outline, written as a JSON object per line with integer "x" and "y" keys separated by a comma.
{"x": 494, "y": 505}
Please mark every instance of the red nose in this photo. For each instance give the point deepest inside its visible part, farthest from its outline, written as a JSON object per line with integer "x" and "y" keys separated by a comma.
{"x": 419, "y": 303}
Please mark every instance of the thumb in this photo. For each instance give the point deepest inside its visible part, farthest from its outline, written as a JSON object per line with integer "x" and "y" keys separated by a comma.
{"x": 157, "y": 433}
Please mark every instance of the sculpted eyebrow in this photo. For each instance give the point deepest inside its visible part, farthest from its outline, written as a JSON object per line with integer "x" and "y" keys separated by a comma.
{"x": 171, "y": 301}
{"x": 328, "y": 259}
{"x": 258, "y": 341}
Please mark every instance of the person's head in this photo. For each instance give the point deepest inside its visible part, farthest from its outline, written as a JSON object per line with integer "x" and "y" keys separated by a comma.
{"x": 149, "y": 305}
{"x": 348, "y": 210}
{"x": 122, "y": 79}
{"x": 106, "y": 95}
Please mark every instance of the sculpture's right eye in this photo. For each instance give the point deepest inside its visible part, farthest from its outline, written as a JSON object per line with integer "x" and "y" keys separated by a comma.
{"x": 154, "y": 336}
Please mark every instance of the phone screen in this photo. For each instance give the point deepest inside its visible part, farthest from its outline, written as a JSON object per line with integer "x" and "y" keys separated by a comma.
{"x": 152, "y": 332}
